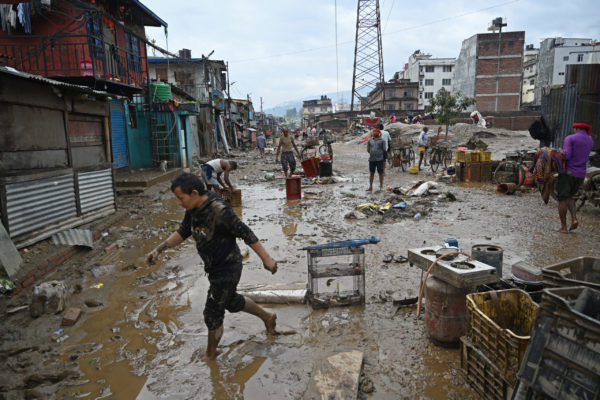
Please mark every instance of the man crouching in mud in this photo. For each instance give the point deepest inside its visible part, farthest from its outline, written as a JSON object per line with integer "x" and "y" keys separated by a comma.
{"x": 215, "y": 228}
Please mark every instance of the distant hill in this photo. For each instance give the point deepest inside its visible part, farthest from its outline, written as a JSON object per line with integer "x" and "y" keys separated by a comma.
{"x": 280, "y": 109}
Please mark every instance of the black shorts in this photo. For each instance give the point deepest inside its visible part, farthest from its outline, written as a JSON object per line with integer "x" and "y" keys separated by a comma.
{"x": 222, "y": 295}
{"x": 567, "y": 186}
{"x": 376, "y": 164}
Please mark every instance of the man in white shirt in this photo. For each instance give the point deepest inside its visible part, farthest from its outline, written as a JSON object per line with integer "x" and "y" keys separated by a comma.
{"x": 387, "y": 141}
{"x": 423, "y": 144}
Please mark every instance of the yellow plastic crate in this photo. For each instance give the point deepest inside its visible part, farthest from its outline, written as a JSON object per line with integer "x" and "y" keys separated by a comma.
{"x": 460, "y": 156}
{"x": 501, "y": 328}
{"x": 485, "y": 156}
{"x": 471, "y": 156}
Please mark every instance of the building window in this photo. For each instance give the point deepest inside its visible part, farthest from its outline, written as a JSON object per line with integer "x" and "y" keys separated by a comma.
{"x": 420, "y": 69}
{"x": 420, "y": 95}
{"x": 95, "y": 35}
{"x": 579, "y": 57}
{"x": 132, "y": 45}
{"x": 391, "y": 93}
{"x": 408, "y": 93}
{"x": 390, "y": 106}
{"x": 323, "y": 108}
{"x": 429, "y": 68}
{"x": 446, "y": 82}
{"x": 408, "y": 106}
{"x": 532, "y": 81}
{"x": 161, "y": 74}
{"x": 566, "y": 58}
{"x": 428, "y": 82}
{"x": 447, "y": 68}
{"x": 429, "y": 95}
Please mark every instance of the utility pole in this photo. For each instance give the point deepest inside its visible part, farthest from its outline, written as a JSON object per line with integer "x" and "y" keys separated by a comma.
{"x": 368, "y": 52}
{"x": 261, "y": 103}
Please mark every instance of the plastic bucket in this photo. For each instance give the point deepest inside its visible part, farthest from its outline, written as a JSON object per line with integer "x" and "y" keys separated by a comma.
{"x": 310, "y": 167}
{"x": 325, "y": 168}
{"x": 293, "y": 188}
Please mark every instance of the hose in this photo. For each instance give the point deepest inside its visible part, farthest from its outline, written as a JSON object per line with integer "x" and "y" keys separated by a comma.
{"x": 422, "y": 286}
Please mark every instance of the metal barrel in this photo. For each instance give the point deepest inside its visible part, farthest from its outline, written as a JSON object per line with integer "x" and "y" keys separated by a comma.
{"x": 490, "y": 255}
{"x": 445, "y": 312}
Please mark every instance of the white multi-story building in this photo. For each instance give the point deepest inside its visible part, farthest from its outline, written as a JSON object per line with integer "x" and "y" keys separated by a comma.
{"x": 555, "y": 54}
{"x": 431, "y": 73}
{"x": 530, "y": 59}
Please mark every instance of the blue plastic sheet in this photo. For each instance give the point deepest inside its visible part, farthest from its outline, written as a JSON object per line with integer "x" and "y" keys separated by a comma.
{"x": 344, "y": 243}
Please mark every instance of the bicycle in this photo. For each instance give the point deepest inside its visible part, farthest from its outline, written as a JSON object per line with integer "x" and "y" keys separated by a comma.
{"x": 313, "y": 148}
{"x": 440, "y": 155}
{"x": 403, "y": 152}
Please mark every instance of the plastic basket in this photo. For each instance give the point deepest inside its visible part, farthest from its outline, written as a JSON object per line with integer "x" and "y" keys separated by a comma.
{"x": 481, "y": 373}
{"x": 485, "y": 156}
{"x": 499, "y": 324}
{"x": 580, "y": 271}
{"x": 562, "y": 359}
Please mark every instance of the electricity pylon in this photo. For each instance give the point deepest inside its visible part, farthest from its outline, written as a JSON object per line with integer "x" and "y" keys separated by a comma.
{"x": 368, "y": 53}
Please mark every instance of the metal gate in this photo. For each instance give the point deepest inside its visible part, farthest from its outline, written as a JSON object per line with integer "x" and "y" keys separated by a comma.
{"x": 118, "y": 136}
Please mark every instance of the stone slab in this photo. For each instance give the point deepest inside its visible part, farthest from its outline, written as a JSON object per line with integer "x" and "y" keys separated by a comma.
{"x": 336, "y": 377}
{"x": 10, "y": 258}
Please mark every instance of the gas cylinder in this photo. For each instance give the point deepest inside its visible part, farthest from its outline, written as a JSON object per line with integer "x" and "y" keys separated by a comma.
{"x": 445, "y": 312}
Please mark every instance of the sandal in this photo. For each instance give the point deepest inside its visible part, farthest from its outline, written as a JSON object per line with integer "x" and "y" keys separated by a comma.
{"x": 388, "y": 258}
{"x": 400, "y": 259}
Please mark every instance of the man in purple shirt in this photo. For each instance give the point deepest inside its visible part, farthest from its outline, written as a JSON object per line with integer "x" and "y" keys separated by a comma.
{"x": 576, "y": 150}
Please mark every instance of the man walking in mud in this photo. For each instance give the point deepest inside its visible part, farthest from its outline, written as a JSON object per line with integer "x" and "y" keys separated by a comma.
{"x": 215, "y": 227}
{"x": 376, "y": 149}
{"x": 576, "y": 150}
{"x": 286, "y": 143}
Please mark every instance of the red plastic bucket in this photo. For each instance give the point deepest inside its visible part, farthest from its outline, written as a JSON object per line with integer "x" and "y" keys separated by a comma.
{"x": 293, "y": 188}
{"x": 310, "y": 167}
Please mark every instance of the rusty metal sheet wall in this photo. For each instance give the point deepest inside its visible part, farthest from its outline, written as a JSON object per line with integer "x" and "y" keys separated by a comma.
{"x": 578, "y": 99}
{"x": 96, "y": 190}
{"x": 34, "y": 204}
{"x": 558, "y": 109}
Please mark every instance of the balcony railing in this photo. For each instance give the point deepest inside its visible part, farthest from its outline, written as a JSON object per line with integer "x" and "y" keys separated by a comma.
{"x": 198, "y": 91}
{"x": 73, "y": 56}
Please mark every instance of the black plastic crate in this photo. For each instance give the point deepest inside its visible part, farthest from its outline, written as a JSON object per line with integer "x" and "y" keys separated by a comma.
{"x": 563, "y": 357}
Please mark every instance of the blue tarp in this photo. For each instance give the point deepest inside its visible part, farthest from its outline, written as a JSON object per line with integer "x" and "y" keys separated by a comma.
{"x": 344, "y": 243}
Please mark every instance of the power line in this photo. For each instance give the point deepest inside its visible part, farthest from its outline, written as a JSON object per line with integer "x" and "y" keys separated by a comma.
{"x": 433, "y": 22}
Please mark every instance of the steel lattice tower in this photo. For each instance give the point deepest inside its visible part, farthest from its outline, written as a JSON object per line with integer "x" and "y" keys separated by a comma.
{"x": 368, "y": 53}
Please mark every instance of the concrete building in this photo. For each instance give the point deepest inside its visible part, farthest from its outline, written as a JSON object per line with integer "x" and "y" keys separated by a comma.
{"x": 400, "y": 95}
{"x": 312, "y": 108}
{"x": 530, "y": 59}
{"x": 489, "y": 68}
{"x": 430, "y": 73}
{"x": 555, "y": 54}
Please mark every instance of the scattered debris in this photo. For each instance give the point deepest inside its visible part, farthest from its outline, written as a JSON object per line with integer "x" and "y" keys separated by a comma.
{"x": 74, "y": 237}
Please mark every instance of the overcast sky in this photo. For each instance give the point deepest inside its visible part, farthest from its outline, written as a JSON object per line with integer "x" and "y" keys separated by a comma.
{"x": 284, "y": 50}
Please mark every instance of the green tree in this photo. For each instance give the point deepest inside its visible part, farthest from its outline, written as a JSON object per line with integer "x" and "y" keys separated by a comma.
{"x": 446, "y": 106}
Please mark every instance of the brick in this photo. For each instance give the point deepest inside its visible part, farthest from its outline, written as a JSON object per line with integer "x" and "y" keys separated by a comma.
{"x": 54, "y": 259}
{"x": 17, "y": 290}
{"x": 70, "y": 316}
{"x": 39, "y": 273}
{"x": 28, "y": 281}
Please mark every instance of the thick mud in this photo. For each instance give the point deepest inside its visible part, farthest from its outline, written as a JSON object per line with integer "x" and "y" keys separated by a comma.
{"x": 143, "y": 335}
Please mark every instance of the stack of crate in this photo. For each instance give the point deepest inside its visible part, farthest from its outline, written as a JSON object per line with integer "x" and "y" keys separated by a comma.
{"x": 498, "y": 332}
{"x": 475, "y": 166}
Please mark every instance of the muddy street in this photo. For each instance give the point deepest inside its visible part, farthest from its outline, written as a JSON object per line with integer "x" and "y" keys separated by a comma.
{"x": 142, "y": 335}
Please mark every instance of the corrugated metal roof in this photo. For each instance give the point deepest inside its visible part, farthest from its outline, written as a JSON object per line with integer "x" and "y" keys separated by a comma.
{"x": 39, "y": 78}
{"x": 74, "y": 237}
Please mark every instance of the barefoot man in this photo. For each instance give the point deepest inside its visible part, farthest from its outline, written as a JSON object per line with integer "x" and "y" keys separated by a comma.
{"x": 576, "y": 149}
{"x": 215, "y": 227}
